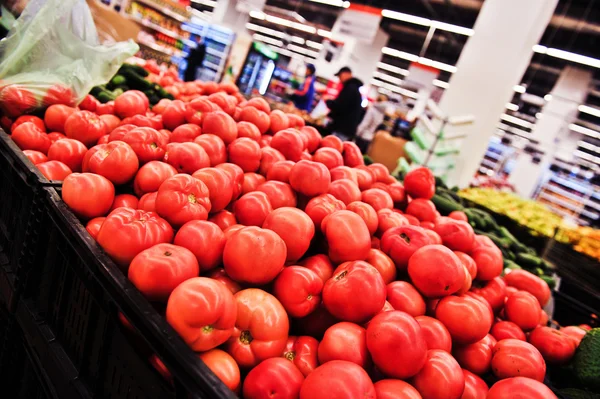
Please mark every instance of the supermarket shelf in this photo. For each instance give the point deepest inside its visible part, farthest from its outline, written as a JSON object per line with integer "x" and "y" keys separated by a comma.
{"x": 558, "y": 201}
{"x": 162, "y": 49}
{"x": 218, "y": 40}
{"x": 493, "y": 155}
{"x": 214, "y": 52}
{"x": 162, "y": 30}
{"x": 486, "y": 162}
{"x": 212, "y": 66}
{"x": 164, "y": 10}
{"x": 562, "y": 192}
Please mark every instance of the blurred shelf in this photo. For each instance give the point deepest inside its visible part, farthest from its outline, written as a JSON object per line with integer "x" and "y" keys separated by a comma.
{"x": 166, "y": 11}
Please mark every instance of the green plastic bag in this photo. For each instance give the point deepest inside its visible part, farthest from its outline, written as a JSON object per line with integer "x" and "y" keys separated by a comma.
{"x": 52, "y": 55}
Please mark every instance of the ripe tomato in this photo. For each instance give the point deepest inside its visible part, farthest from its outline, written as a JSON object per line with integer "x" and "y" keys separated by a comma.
{"x": 477, "y": 357}
{"x": 338, "y": 379}
{"x": 333, "y": 142}
{"x": 89, "y": 103}
{"x": 422, "y": 209}
{"x": 395, "y": 389}
{"x": 435, "y": 333}
{"x": 109, "y": 109}
{"x": 254, "y": 255}
{"x": 475, "y": 387}
{"x": 458, "y": 215}
{"x": 125, "y": 200}
{"x": 203, "y": 311}
{"x": 296, "y": 121}
{"x": 467, "y": 319}
{"x": 289, "y": 143}
{"x": 111, "y": 122}
{"x": 54, "y": 170}
{"x": 269, "y": 156}
{"x": 59, "y": 94}
{"x": 388, "y": 219}
{"x": 339, "y": 292}
{"x": 146, "y": 142}
{"x": 507, "y": 329}
{"x": 526, "y": 281}
{"x": 224, "y": 366}
{"x": 514, "y": 358}
{"x": 526, "y": 387}
{"x": 116, "y": 161}
{"x": 93, "y": 226}
{"x": 223, "y": 101}
{"x": 280, "y": 171}
{"x": 223, "y": 219}
{"x": 279, "y": 121}
{"x": 219, "y": 187}
{"x": 247, "y": 129}
{"x": 400, "y": 243}
{"x": 185, "y": 133}
{"x": 313, "y": 138}
{"x": 440, "y": 378}
{"x": 252, "y": 208}
{"x": 321, "y": 265}
{"x": 236, "y": 175}
{"x": 273, "y": 377}
{"x": 345, "y": 341}
{"x": 15, "y": 100}
{"x": 345, "y": 190}
{"x": 158, "y": 270}
{"x": 28, "y": 136}
{"x": 377, "y": 198}
{"x": 347, "y": 236}
{"x": 523, "y": 309}
{"x": 494, "y": 291}
{"x": 436, "y": 271}
{"x": 555, "y": 346}
{"x": 302, "y": 352}
{"x": 28, "y": 118}
{"x": 35, "y": 156}
{"x": 220, "y": 124}
{"x": 214, "y": 147}
{"x": 575, "y": 333}
{"x": 469, "y": 263}
{"x": 365, "y": 179}
{"x": 245, "y": 153}
{"x": 488, "y": 261}
{"x": 131, "y": 103}
{"x": 398, "y": 195}
{"x": 221, "y": 276}
{"x": 329, "y": 157}
{"x": 280, "y": 194}
{"x": 299, "y": 290}
{"x": 456, "y": 235}
{"x": 322, "y": 206}
{"x": 257, "y": 117}
{"x": 384, "y": 265}
{"x": 294, "y": 227}
{"x": 420, "y": 183}
{"x": 151, "y": 175}
{"x": 86, "y": 127}
{"x": 343, "y": 172}
{"x": 186, "y": 157}
{"x": 174, "y": 114}
{"x": 54, "y": 136}
{"x": 205, "y": 240}
{"x": 404, "y": 297}
{"x": 367, "y": 213}
{"x": 251, "y": 182}
{"x": 197, "y": 109}
{"x": 310, "y": 178}
{"x": 182, "y": 198}
{"x": 87, "y": 194}
{"x": 260, "y": 104}
{"x": 261, "y": 329}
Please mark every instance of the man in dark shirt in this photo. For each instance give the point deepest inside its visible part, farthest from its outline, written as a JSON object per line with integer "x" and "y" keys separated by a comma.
{"x": 346, "y": 110}
{"x": 194, "y": 60}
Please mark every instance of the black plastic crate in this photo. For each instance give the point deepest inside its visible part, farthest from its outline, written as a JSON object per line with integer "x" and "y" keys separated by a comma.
{"x": 569, "y": 311}
{"x": 76, "y": 292}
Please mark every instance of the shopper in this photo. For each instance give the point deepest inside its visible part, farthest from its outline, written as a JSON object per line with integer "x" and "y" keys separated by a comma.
{"x": 346, "y": 110}
{"x": 194, "y": 60}
{"x": 303, "y": 97}
{"x": 373, "y": 118}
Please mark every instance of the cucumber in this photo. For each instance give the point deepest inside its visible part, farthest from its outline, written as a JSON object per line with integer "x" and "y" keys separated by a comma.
{"x": 528, "y": 261}
{"x": 444, "y": 205}
{"x": 135, "y": 81}
{"x": 117, "y": 92}
{"x": 105, "y": 96}
{"x": 506, "y": 234}
{"x": 476, "y": 220}
{"x": 509, "y": 264}
{"x": 118, "y": 80}
{"x": 135, "y": 68}
{"x": 551, "y": 281}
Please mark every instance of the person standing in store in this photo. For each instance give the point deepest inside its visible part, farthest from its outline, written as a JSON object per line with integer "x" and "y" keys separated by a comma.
{"x": 346, "y": 110}
{"x": 373, "y": 118}
{"x": 194, "y": 60}
{"x": 304, "y": 96}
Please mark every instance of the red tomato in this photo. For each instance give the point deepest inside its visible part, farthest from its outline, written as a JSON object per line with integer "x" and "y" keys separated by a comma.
{"x": 224, "y": 366}
{"x": 182, "y": 198}
{"x": 197, "y": 109}
{"x": 467, "y": 319}
{"x": 54, "y": 137}
{"x": 223, "y": 219}
{"x": 477, "y": 357}
{"x": 251, "y": 182}
{"x": 131, "y": 103}
{"x": 236, "y": 175}
{"x": 16, "y": 100}
{"x": 555, "y": 346}
{"x": 329, "y": 157}
{"x": 146, "y": 142}
{"x": 435, "y": 238}
{"x": 221, "y": 276}
{"x": 395, "y": 389}
{"x": 456, "y": 235}
{"x": 88, "y": 195}
{"x": 186, "y": 157}
{"x": 158, "y": 270}
{"x": 422, "y": 209}
{"x": 523, "y": 309}
{"x": 294, "y": 227}
{"x": 514, "y": 358}
{"x": 338, "y": 379}
{"x": 345, "y": 341}
{"x": 59, "y": 94}
{"x": 345, "y": 190}
{"x": 507, "y": 329}
{"x": 254, "y": 255}
{"x": 174, "y": 114}
{"x": 116, "y": 161}
{"x": 489, "y": 262}
{"x": 367, "y": 214}
{"x": 89, "y": 103}
{"x": 109, "y": 109}
{"x": 220, "y": 124}
{"x": 120, "y": 132}
{"x": 384, "y": 265}
{"x": 494, "y": 291}
{"x": 289, "y": 143}
{"x": 35, "y": 156}
{"x": 280, "y": 171}
{"x": 321, "y": 265}
{"x": 313, "y": 138}
{"x": 420, "y": 183}
{"x": 340, "y": 292}
{"x": 269, "y": 156}
{"x": 205, "y": 240}
{"x": 310, "y": 178}
{"x": 273, "y": 377}
{"x": 435, "y": 333}
{"x": 343, "y": 172}
{"x": 299, "y": 290}
{"x": 260, "y": 104}
{"x": 469, "y": 263}
{"x": 247, "y": 129}
{"x": 111, "y": 122}
{"x": 261, "y": 329}
{"x": 576, "y": 333}
{"x": 458, "y": 215}
{"x": 400, "y": 243}
{"x": 365, "y": 179}
{"x": 475, "y": 387}
{"x": 203, "y": 312}
{"x": 526, "y": 281}
{"x": 320, "y": 207}
{"x": 257, "y": 117}
{"x": 252, "y": 208}
{"x": 214, "y": 147}
{"x": 86, "y": 127}
{"x": 404, "y": 297}
{"x": 440, "y": 378}
{"x": 245, "y": 153}
{"x": 388, "y": 219}
{"x": 222, "y": 100}
{"x": 219, "y": 187}
{"x": 279, "y": 121}
{"x": 436, "y": 271}
{"x": 333, "y": 142}
{"x": 93, "y": 226}
{"x": 526, "y": 388}
{"x": 185, "y": 133}
{"x": 28, "y": 136}
{"x": 296, "y": 121}
{"x": 54, "y": 170}
{"x": 347, "y": 236}
{"x": 280, "y": 194}
{"x": 124, "y": 200}
{"x": 302, "y": 352}
{"x": 378, "y": 199}
{"x": 150, "y": 176}
{"x": 28, "y": 118}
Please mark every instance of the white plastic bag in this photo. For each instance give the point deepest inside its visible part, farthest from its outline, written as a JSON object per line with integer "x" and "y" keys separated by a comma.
{"x": 52, "y": 55}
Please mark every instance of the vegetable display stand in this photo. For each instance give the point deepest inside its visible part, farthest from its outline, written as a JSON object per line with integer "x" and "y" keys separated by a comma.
{"x": 75, "y": 295}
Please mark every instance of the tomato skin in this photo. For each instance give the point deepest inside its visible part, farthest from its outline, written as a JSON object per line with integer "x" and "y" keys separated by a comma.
{"x": 338, "y": 379}
{"x": 124, "y": 200}
{"x": 28, "y": 118}
{"x": 151, "y": 175}
{"x": 224, "y": 367}
{"x": 345, "y": 341}
{"x": 252, "y": 209}
{"x": 329, "y": 157}
{"x": 313, "y": 138}
{"x": 146, "y": 143}
{"x": 182, "y": 198}
{"x": 257, "y": 117}
{"x": 456, "y": 235}
{"x": 514, "y": 358}
{"x": 221, "y": 276}
{"x": 280, "y": 194}
{"x": 129, "y": 104}
{"x": 477, "y": 357}
{"x": 294, "y": 227}
{"x": 251, "y": 182}
{"x": 89, "y": 103}
{"x": 384, "y": 265}
{"x": 158, "y": 270}
{"x": 219, "y": 186}
{"x": 458, "y": 215}
{"x": 523, "y": 309}
{"x": 494, "y": 292}
{"x": 127, "y": 232}
{"x": 440, "y": 378}
{"x": 400, "y": 243}
{"x": 469, "y": 263}
{"x": 247, "y": 129}
{"x": 268, "y": 157}
{"x": 310, "y": 178}
{"x": 261, "y": 328}
{"x": 273, "y": 377}
{"x": 507, "y": 329}
{"x": 55, "y": 136}
{"x": 223, "y": 219}
{"x": 420, "y": 183}
{"x": 377, "y": 198}
{"x": 395, "y": 389}
{"x": 333, "y": 142}
{"x": 85, "y": 126}
{"x": 254, "y": 255}
{"x": 343, "y": 172}
{"x": 16, "y": 100}
{"x": 54, "y": 170}
{"x": 475, "y": 387}
{"x": 203, "y": 312}
{"x": 214, "y": 148}
{"x": 347, "y": 236}
{"x": 404, "y": 297}
{"x": 93, "y": 226}
{"x": 87, "y": 194}
{"x": 436, "y": 271}
{"x": 365, "y": 179}
{"x": 467, "y": 319}
{"x": 111, "y": 122}
{"x": 302, "y": 352}
{"x": 388, "y": 219}
{"x": 205, "y": 240}
{"x": 236, "y": 175}
{"x": 318, "y": 208}
{"x": 299, "y": 290}
{"x": 345, "y": 190}
{"x": 435, "y": 333}
{"x": 245, "y": 153}
{"x": 186, "y": 157}
{"x": 526, "y": 281}
{"x": 280, "y": 171}
{"x": 367, "y": 213}
{"x": 526, "y": 387}
{"x": 116, "y": 161}
{"x": 488, "y": 261}
{"x": 555, "y": 346}
{"x": 321, "y": 265}
{"x": 289, "y": 143}
{"x": 35, "y": 157}
{"x": 575, "y": 333}
{"x": 28, "y": 136}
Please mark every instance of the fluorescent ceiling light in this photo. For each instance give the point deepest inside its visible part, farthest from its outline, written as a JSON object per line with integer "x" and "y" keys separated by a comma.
{"x": 437, "y": 65}
{"x": 209, "y": 3}
{"x": 548, "y": 97}
{"x": 584, "y": 130}
{"x": 538, "y": 48}
{"x": 516, "y": 121}
{"x": 388, "y": 78}
{"x": 257, "y": 15}
{"x": 400, "y": 54}
{"x": 519, "y": 89}
{"x": 297, "y": 39}
{"x": 415, "y": 58}
{"x": 588, "y": 146}
{"x": 273, "y": 32}
{"x": 393, "y": 88}
{"x": 302, "y": 50}
{"x": 589, "y": 110}
{"x": 324, "y": 33}
{"x": 267, "y": 39}
{"x": 452, "y": 28}
{"x": 391, "y": 68}
{"x": 289, "y": 53}
{"x": 315, "y": 45}
{"x": 566, "y": 55}
{"x": 512, "y": 107}
{"x": 413, "y": 19}
{"x": 282, "y": 21}
{"x": 335, "y": 3}
{"x": 586, "y": 156}
{"x": 441, "y": 83}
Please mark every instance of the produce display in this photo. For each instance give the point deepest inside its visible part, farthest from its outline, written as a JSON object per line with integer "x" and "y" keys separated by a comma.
{"x": 584, "y": 239}
{"x": 293, "y": 269}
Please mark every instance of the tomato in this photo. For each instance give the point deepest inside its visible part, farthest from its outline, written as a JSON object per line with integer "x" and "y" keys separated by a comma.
{"x": 203, "y": 311}
{"x": 275, "y": 377}
{"x": 526, "y": 388}
{"x": 261, "y": 329}
{"x": 205, "y": 240}
{"x": 467, "y": 319}
{"x": 494, "y": 292}
{"x": 260, "y": 104}
{"x": 302, "y": 352}
{"x": 85, "y": 126}
{"x": 54, "y": 136}
{"x": 543, "y": 317}
{"x": 221, "y": 276}
{"x": 458, "y": 215}
{"x": 87, "y": 194}
{"x": 174, "y": 114}
{"x": 124, "y": 200}
{"x": 280, "y": 171}
{"x": 289, "y": 143}
{"x": 280, "y": 194}
{"x": 333, "y": 142}
{"x": 214, "y": 147}
{"x": 109, "y": 109}
{"x": 252, "y": 208}
{"x": 469, "y": 263}
{"x": 343, "y": 172}
{"x": 245, "y": 153}
{"x": 185, "y": 133}
{"x": 89, "y": 103}
{"x": 35, "y": 157}
{"x": 340, "y": 292}
{"x": 384, "y": 265}
{"x": 120, "y": 132}
{"x": 151, "y": 175}
{"x": 265, "y": 140}
{"x": 269, "y": 156}
{"x": 347, "y": 236}
{"x": 220, "y": 124}
{"x": 294, "y": 227}
{"x": 59, "y": 94}
{"x": 236, "y": 175}
{"x": 111, "y": 122}
{"x": 477, "y": 357}
{"x": 404, "y": 297}
{"x": 93, "y": 226}
{"x": 435, "y": 333}
{"x": 345, "y": 341}
{"x": 197, "y": 109}
{"x": 310, "y": 178}
{"x": 456, "y": 235}
{"x": 555, "y": 346}
{"x": 182, "y": 198}
{"x": 420, "y": 183}
{"x": 28, "y": 136}
{"x": 224, "y": 367}
{"x": 395, "y": 389}
{"x": 575, "y": 333}
{"x": 321, "y": 265}
{"x": 422, "y": 209}
{"x": 345, "y": 190}
{"x": 130, "y": 103}
{"x": 313, "y": 138}
{"x": 116, "y": 161}
{"x": 254, "y": 255}
{"x": 28, "y": 118}
{"x": 440, "y": 378}
{"x": 54, "y": 170}
{"x": 219, "y": 187}
{"x": 320, "y": 207}
{"x": 251, "y": 182}
{"x": 146, "y": 142}
{"x": 435, "y": 271}
{"x": 222, "y": 100}
{"x": 329, "y": 157}
{"x": 398, "y": 194}
{"x": 523, "y": 309}
{"x": 514, "y": 358}
{"x": 257, "y": 117}
{"x": 475, "y": 387}
{"x": 488, "y": 261}
{"x": 400, "y": 243}
{"x": 223, "y": 219}
{"x": 367, "y": 214}
{"x": 378, "y": 199}
{"x": 526, "y": 281}
{"x": 338, "y": 379}
{"x": 158, "y": 270}
{"x": 365, "y": 179}
{"x": 279, "y": 121}
{"x": 296, "y": 121}
{"x": 15, "y": 100}
{"x": 247, "y": 129}
{"x": 186, "y": 157}
{"x": 507, "y": 329}
{"x": 388, "y": 219}
{"x": 299, "y": 290}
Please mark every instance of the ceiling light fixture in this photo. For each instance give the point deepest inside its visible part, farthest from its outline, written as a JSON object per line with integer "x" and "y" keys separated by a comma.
{"x": 393, "y": 88}
{"x": 302, "y": 50}
{"x": 335, "y": 3}
{"x": 589, "y": 110}
{"x": 267, "y": 39}
{"x": 413, "y": 19}
{"x": 512, "y": 107}
{"x": 282, "y": 21}
{"x": 548, "y": 97}
{"x": 314, "y": 45}
{"x": 519, "y": 89}
{"x": 209, "y": 3}
{"x": 516, "y": 121}
{"x": 273, "y": 32}
{"x": 388, "y": 78}
{"x": 441, "y": 83}
{"x": 566, "y": 55}
{"x": 391, "y": 68}
{"x": 584, "y": 130}
{"x": 415, "y": 58}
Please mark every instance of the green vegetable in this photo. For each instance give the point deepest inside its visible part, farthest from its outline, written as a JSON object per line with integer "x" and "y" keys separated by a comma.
{"x": 587, "y": 360}
{"x": 105, "y": 96}
{"x": 551, "y": 281}
{"x": 135, "y": 81}
{"x": 529, "y": 261}
{"x": 445, "y": 205}
{"x": 573, "y": 393}
{"x": 509, "y": 264}
{"x": 134, "y": 68}
{"x": 118, "y": 80}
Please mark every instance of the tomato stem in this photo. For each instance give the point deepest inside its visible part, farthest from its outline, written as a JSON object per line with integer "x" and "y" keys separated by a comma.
{"x": 246, "y": 337}
{"x": 207, "y": 329}
{"x": 405, "y": 237}
{"x": 291, "y": 355}
{"x": 341, "y": 275}
{"x": 192, "y": 198}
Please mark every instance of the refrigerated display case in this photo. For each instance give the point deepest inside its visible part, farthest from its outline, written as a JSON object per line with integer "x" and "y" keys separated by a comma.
{"x": 258, "y": 69}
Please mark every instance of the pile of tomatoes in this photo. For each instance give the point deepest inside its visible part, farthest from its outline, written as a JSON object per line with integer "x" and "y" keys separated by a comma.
{"x": 279, "y": 256}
